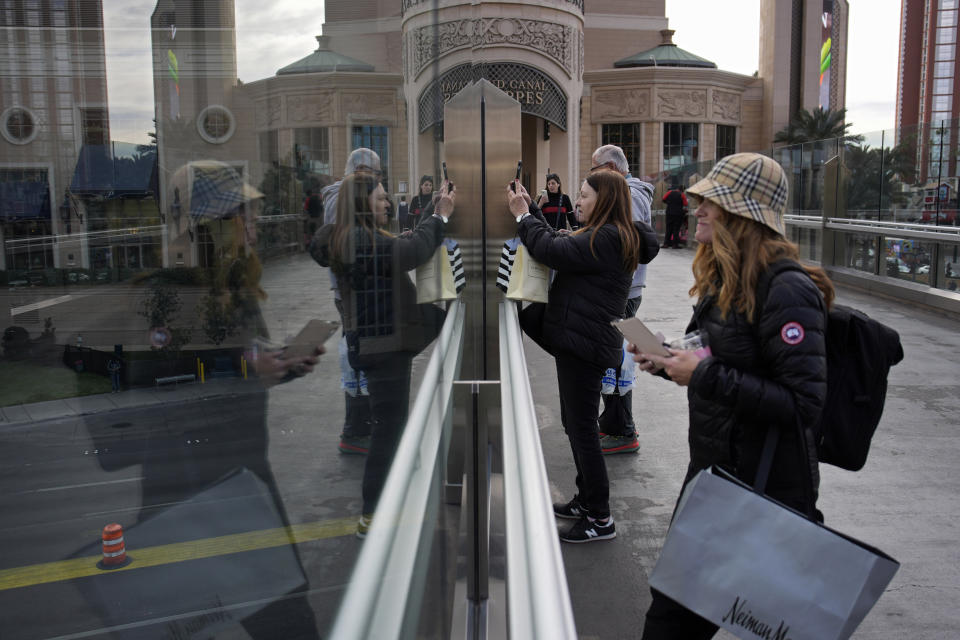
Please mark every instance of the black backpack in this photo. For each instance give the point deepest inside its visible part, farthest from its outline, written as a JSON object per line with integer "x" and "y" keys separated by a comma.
{"x": 860, "y": 352}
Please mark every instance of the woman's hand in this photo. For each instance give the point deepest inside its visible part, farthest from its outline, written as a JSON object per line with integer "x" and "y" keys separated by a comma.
{"x": 679, "y": 365}
{"x": 518, "y": 201}
{"x": 446, "y": 201}
{"x": 272, "y": 367}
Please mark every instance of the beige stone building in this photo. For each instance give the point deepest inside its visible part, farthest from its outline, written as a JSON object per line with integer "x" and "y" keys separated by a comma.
{"x": 584, "y": 74}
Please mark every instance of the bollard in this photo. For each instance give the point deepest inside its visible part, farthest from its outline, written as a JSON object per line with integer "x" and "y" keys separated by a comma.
{"x": 201, "y": 373}
{"x": 114, "y": 549}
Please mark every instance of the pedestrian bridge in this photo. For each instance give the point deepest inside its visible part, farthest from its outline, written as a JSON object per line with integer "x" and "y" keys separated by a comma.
{"x": 463, "y": 543}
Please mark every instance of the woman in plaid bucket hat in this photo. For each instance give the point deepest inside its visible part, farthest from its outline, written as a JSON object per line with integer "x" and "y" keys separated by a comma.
{"x": 765, "y": 365}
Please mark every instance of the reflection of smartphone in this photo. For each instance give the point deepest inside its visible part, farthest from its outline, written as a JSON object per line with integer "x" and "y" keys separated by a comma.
{"x": 513, "y": 185}
{"x": 313, "y": 334}
{"x": 636, "y": 332}
{"x": 445, "y": 176}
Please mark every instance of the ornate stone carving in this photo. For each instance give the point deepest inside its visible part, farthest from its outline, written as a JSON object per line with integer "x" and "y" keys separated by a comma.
{"x": 382, "y": 105}
{"x": 620, "y": 103}
{"x": 267, "y": 113}
{"x": 726, "y": 106}
{"x": 681, "y": 104}
{"x": 556, "y": 41}
{"x": 311, "y": 108}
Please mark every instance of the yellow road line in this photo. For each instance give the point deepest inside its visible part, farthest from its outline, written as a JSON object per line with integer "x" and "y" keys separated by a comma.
{"x": 178, "y": 552}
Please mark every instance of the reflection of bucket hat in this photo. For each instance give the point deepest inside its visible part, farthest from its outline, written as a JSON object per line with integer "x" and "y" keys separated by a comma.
{"x": 216, "y": 190}
{"x": 749, "y": 185}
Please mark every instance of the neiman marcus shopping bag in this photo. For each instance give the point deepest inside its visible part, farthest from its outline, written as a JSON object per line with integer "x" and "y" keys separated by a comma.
{"x": 761, "y": 570}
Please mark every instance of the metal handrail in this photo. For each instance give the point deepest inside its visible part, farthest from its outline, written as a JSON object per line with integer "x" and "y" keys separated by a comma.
{"x": 376, "y": 600}
{"x": 538, "y": 597}
{"x": 897, "y": 229}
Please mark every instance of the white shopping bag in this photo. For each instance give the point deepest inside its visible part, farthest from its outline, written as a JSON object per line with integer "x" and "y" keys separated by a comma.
{"x": 761, "y": 570}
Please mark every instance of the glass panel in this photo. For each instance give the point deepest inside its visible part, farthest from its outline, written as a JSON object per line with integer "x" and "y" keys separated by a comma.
{"x": 856, "y": 251}
{"x": 907, "y": 259}
{"x": 947, "y": 18}
{"x": 944, "y": 52}
{"x": 950, "y": 267}
{"x": 946, "y": 35}
{"x": 159, "y": 186}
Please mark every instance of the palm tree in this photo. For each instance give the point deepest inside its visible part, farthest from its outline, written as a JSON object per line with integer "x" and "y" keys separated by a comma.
{"x": 820, "y": 124}
{"x": 821, "y": 127}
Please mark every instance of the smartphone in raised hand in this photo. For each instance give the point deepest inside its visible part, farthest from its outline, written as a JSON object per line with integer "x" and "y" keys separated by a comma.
{"x": 513, "y": 185}
{"x": 446, "y": 178}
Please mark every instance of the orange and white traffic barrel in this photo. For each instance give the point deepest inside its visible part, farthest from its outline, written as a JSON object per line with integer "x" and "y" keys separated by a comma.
{"x": 114, "y": 549}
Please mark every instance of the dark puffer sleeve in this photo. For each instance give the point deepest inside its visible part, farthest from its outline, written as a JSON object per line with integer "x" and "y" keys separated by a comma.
{"x": 414, "y": 250}
{"x": 570, "y": 253}
{"x": 792, "y": 352}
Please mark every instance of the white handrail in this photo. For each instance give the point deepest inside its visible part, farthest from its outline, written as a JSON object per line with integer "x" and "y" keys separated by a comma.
{"x": 538, "y": 596}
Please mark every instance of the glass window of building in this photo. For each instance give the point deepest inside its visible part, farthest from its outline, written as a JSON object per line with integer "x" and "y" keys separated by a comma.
{"x": 312, "y": 150}
{"x": 215, "y": 124}
{"x": 95, "y": 126}
{"x": 947, "y": 18}
{"x": 681, "y": 143}
{"x": 374, "y": 137}
{"x": 726, "y": 140}
{"x": 945, "y": 52}
{"x": 18, "y": 125}
{"x": 627, "y": 137}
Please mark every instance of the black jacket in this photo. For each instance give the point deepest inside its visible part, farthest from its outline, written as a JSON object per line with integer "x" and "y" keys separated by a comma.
{"x": 380, "y": 310}
{"x": 588, "y": 292}
{"x": 771, "y": 374}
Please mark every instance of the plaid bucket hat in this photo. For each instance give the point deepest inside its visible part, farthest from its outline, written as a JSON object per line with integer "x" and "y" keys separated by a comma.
{"x": 749, "y": 185}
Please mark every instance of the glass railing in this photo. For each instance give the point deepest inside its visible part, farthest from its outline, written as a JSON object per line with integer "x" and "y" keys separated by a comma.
{"x": 398, "y": 588}
{"x": 883, "y": 203}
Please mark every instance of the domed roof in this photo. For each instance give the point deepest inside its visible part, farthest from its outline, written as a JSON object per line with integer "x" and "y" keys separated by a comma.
{"x": 324, "y": 60}
{"x": 666, "y": 54}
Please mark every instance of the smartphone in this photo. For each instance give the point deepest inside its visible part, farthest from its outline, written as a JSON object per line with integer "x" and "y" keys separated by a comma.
{"x": 513, "y": 185}
{"x": 313, "y": 334}
{"x": 445, "y": 176}
{"x": 636, "y": 332}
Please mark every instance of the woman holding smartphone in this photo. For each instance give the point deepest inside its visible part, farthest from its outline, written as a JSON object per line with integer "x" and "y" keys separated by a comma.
{"x": 383, "y": 324}
{"x": 767, "y": 368}
{"x": 556, "y": 206}
{"x": 594, "y": 268}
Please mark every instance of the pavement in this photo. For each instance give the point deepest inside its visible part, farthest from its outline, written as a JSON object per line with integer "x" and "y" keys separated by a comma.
{"x": 905, "y": 501}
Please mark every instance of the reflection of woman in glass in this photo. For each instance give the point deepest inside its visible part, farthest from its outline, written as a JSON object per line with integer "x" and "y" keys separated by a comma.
{"x": 197, "y": 445}
{"x": 384, "y": 326}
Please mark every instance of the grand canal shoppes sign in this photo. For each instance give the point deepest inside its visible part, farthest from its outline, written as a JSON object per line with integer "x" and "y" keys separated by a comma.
{"x": 537, "y": 94}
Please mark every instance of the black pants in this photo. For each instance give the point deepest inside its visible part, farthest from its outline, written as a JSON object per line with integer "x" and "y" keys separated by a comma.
{"x": 669, "y": 620}
{"x": 389, "y": 385}
{"x": 671, "y": 236}
{"x": 617, "y": 416}
{"x": 579, "y": 384}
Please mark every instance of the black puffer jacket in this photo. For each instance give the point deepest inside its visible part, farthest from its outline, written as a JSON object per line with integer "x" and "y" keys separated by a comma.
{"x": 589, "y": 290}
{"x": 771, "y": 374}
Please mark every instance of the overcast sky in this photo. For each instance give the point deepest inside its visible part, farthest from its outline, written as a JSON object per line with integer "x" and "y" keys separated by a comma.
{"x": 274, "y": 33}
{"x": 730, "y": 38}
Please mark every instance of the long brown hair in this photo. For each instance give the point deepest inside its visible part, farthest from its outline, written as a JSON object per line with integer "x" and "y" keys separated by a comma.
{"x": 729, "y": 266}
{"x": 353, "y": 212}
{"x": 613, "y": 207}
